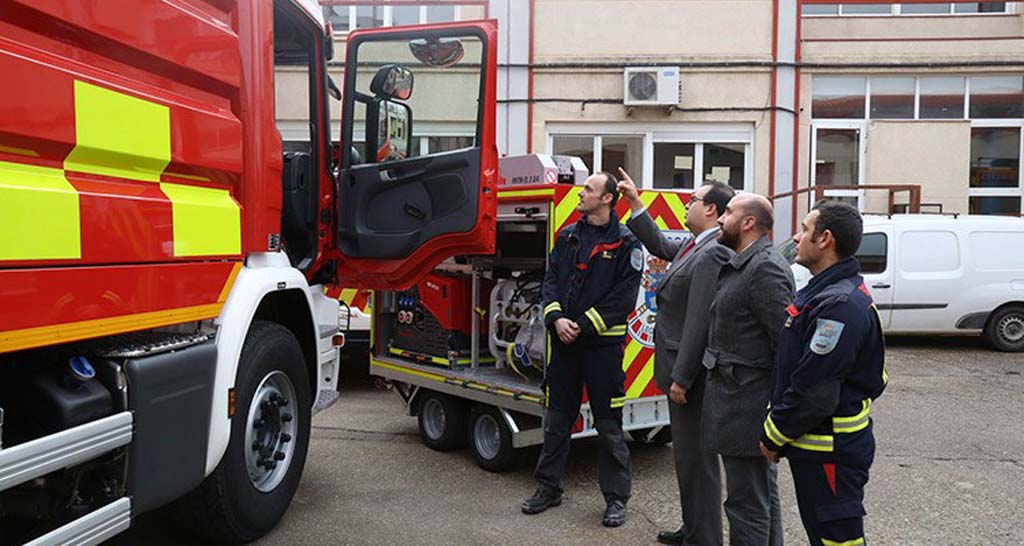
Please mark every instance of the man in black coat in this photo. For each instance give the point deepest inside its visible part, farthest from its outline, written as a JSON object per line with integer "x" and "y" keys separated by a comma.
{"x": 749, "y": 311}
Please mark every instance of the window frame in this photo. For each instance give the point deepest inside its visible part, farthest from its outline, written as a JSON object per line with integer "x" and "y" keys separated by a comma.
{"x": 896, "y": 10}
{"x": 388, "y": 17}
{"x": 1017, "y": 192}
{"x": 884, "y": 256}
{"x": 682, "y": 133}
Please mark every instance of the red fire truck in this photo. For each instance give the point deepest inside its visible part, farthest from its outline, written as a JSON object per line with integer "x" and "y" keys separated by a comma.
{"x": 165, "y": 335}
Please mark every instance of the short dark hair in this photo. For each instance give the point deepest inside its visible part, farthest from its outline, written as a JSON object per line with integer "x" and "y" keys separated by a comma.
{"x": 719, "y": 195}
{"x": 611, "y": 185}
{"x": 845, "y": 223}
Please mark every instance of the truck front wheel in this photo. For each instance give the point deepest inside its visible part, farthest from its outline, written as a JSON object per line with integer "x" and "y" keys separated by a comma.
{"x": 442, "y": 421}
{"x": 251, "y": 488}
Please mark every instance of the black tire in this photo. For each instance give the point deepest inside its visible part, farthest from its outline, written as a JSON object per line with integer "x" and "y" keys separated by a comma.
{"x": 442, "y": 421}
{"x": 227, "y": 506}
{"x": 660, "y": 438}
{"x": 1005, "y": 329}
{"x": 491, "y": 440}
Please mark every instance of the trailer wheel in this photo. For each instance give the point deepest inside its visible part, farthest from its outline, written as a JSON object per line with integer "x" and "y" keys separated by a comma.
{"x": 660, "y": 438}
{"x": 491, "y": 440}
{"x": 442, "y": 421}
{"x": 249, "y": 491}
{"x": 1005, "y": 329}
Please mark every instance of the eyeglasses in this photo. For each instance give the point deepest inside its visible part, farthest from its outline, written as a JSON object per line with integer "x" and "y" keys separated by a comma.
{"x": 694, "y": 199}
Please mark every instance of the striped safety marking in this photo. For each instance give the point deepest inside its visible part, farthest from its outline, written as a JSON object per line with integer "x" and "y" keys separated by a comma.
{"x": 121, "y": 137}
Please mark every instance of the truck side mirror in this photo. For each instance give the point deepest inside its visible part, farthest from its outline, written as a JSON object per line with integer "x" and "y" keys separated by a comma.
{"x": 388, "y": 130}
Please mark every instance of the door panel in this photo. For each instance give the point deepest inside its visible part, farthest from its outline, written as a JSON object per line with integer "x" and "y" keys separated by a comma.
{"x": 876, "y": 263}
{"x": 399, "y": 213}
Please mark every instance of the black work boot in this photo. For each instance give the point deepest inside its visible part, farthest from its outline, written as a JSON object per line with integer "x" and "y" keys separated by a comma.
{"x": 541, "y": 500}
{"x": 614, "y": 514}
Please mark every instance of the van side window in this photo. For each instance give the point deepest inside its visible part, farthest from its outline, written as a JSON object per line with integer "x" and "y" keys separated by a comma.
{"x": 872, "y": 253}
{"x": 929, "y": 252}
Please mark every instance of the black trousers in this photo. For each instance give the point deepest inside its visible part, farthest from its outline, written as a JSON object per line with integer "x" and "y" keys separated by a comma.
{"x": 831, "y": 500}
{"x": 600, "y": 369}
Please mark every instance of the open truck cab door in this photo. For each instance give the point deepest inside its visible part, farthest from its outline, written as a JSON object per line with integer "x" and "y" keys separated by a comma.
{"x": 400, "y": 211}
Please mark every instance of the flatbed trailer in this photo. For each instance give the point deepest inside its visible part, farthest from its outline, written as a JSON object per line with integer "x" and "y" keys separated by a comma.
{"x": 476, "y": 398}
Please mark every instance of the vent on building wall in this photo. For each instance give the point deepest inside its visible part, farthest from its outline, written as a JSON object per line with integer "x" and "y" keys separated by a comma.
{"x": 651, "y": 86}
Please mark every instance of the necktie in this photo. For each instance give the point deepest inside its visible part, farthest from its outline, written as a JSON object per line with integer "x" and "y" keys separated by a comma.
{"x": 688, "y": 247}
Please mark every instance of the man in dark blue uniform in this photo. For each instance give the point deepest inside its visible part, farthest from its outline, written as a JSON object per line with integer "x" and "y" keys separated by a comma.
{"x": 830, "y": 368}
{"x": 589, "y": 289}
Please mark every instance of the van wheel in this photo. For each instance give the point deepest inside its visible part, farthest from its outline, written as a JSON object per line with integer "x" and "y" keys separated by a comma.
{"x": 491, "y": 439}
{"x": 1005, "y": 329}
{"x": 250, "y": 489}
{"x": 442, "y": 421}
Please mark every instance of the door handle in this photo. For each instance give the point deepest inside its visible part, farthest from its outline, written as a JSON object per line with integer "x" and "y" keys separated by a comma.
{"x": 881, "y": 285}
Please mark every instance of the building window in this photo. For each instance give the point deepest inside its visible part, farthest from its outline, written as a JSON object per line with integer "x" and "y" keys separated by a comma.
{"x": 927, "y": 8}
{"x": 892, "y": 98}
{"x": 997, "y": 96}
{"x": 995, "y": 184}
{"x": 345, "y": 18}
{"x": 678, "y": 157}
{"x": 673, "y": 165}
{"x": 942, "y": 97}
{"x": 924, "y": 97}
{"x": 838, "y": 97}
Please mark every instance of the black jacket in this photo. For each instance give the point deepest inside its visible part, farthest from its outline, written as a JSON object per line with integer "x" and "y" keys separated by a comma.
{"x": 831, "y": 367}
{"x": 592, "y": 278}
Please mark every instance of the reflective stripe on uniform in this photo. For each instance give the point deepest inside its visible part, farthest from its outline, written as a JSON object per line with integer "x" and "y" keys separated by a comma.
{"x": 854, "y": 542}
{"x": 617, "y": 402}
{"x": 553, "y": 306}
{"x": 596, "y": 320}
{"x": 618, "y": 330}
{"x": 774, "y": 434}
{"x": 814, "y": 442}
{"x": 854, "y": 423}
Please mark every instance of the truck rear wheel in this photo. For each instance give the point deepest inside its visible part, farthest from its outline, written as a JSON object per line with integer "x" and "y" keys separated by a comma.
{"x": 249, "y": 491}
{"x": 442, "y": 421}
{"x": 491, "y": 440}
{"x": 1005, "y": 329}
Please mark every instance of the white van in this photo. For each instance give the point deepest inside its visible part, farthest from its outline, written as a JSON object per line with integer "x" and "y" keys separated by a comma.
{"x": 932, "y": 274}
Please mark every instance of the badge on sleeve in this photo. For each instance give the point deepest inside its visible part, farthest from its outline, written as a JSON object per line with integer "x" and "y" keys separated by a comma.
{"x": 636, "y": 259}
{"x": 826, "y": 336}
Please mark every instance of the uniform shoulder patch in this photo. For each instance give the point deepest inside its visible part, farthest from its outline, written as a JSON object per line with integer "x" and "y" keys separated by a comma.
{"x": 636, "y": 259}
{"x": 826, "y": 336}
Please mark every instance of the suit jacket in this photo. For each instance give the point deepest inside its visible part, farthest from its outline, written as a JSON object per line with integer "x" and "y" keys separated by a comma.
{"x": 748, "y": 313}
{"x": 683, "y": 298}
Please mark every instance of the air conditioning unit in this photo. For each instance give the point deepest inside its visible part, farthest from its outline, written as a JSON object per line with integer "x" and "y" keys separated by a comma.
{"x": 650, "y": 86}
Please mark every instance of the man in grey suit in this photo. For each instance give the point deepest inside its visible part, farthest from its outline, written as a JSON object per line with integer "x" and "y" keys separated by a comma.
{"x": 683, "y": 298}
{"x": 749, "y": 311}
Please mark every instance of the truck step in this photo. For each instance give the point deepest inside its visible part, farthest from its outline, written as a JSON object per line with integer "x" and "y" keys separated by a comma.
{"x": 39, "y": 457}
{"x": 92, "y": 528}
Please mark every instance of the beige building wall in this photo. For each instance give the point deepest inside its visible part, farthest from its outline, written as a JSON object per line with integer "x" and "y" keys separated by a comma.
{"x": 934, "y": 154}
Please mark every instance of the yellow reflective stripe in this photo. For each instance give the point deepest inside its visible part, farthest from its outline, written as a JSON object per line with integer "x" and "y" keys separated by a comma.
{"x": 565, "y": 208}
{"x": 553, "y": 306}
{"x": 774, "y": 431}
{"x": 618, "y": 402}
{"x": 661, "y": 223}
{"x": 619, "y": 330}
{"x": 119, "y": 135}
{"x": 39, "y": 218}
{"x": 854, "y": 423}
{"x": 73, "y": 331}
{"x": 675, "y": 203}
{"x": 526, "y": 193}
{"x": 642, "y": 379}
{"x": 207, "y": 221}
{"x": 854, "y": 542}
{"x": 814, "y": 442}
{"x": 773, "y": 436}
{"x": 347, "y": 295}
{"x": 596, "y": 320}
{"x": 226, "y": 289}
